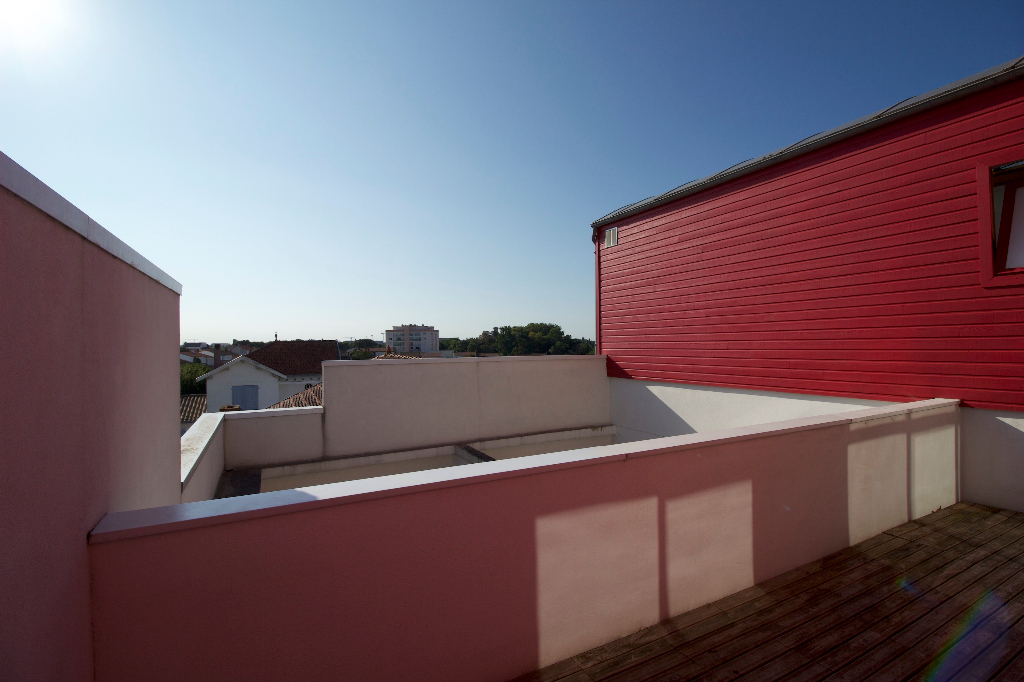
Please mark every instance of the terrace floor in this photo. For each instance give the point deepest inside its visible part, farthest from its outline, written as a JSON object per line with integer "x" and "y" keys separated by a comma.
{"x": 940, "y": 598}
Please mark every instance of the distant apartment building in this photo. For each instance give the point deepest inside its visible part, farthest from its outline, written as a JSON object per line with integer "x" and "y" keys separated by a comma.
{"x": 413, "y": 337}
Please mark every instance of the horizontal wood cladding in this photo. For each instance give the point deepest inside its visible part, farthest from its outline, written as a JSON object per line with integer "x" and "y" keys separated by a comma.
{"x": 853, "y": 270}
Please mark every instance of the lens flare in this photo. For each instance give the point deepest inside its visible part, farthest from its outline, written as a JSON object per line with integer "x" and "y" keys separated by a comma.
{"x": 978, "y": 626}
{"x": 31, "y": 24}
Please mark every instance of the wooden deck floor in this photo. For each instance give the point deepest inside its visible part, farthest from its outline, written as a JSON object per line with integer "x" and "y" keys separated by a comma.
{"x": 941, "y": 598}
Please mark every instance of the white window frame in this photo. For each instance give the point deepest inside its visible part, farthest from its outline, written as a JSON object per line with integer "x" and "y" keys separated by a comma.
{"x": 611, "y": 237}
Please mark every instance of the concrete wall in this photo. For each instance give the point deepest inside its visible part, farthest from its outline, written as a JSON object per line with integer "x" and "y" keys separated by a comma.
{"x": 78, "y": 437}
{"x": 273, "y": 437}
{"x": 437, "y": 402}
{"x": 202, "y": 458}
{"x": 218, "y": 386}
{"x": 481, "y": 573}
{"x": 993, "y": 457}
{"x": 651, "y": 409}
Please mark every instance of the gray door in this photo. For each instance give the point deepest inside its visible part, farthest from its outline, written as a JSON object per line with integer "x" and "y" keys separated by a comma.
{"x": 246, "y": 397}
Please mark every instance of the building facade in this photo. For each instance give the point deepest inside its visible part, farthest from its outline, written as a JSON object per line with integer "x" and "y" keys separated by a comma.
{"x": 268, "y": 375}
{"x": 413, "y": 337}
{"x": 877, "y": 261}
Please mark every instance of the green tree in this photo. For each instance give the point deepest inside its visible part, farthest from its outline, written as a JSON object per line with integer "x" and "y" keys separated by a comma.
{"x": 531, "y": 339}
{"x": 361, "y": 355}
{"x": 189, "y": 373}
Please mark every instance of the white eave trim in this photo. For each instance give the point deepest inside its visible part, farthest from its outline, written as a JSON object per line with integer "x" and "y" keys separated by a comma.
{"x": 33, "y": 190}
{"x": 240, "y": 358}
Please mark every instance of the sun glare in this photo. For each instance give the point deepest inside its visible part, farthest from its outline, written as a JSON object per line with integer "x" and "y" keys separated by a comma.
{"x": 31, "y": 24}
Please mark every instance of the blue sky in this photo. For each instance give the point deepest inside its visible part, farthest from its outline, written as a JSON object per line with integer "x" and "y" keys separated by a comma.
{"x": 327, "y": 170}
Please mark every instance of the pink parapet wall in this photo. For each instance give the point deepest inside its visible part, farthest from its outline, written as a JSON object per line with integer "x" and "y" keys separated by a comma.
{"x": 89, "y": 420}
{"x": 483, "y": 572}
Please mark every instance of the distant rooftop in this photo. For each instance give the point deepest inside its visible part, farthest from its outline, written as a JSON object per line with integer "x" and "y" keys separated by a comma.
{"x": 193, "y": 405}
{"x": 296, "y": 357}
{"x": 311, "y": 397}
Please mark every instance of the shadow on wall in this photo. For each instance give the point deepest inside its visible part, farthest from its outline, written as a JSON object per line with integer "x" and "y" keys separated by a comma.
{"x": 717, "y": 521}
{"x": 650, "y": 409}
{"x": 993, "y": 444}
{"x": 607, "y": 570}
{"x": 640, "y": 413}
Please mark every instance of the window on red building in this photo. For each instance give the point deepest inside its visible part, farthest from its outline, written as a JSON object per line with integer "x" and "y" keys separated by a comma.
{"x": 1008, "y": 216}
{"x": 611, "y": 237}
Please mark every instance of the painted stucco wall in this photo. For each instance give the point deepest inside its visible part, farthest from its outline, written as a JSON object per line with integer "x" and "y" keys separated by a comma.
{"x": 651, "y": 409}
{"x": 993, "y": 457}
{"x": 439, "y": 402}
{"x": 78, "y": 437}
{"x": 202, "y": 458}
{"x": 218, "y": 386}
{"x": 532, "y": 559}
{"x": 273, "y": 437}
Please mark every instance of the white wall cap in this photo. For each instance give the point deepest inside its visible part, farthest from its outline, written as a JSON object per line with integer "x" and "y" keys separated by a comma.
{"x": 135, "y": 523}
{"x": 195, "y": 440}
{"x": 276, "y": 412}
{"x": 33, "y": 190}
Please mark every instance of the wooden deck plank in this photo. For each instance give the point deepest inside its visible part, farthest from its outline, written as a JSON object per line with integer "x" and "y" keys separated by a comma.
{"x": 1014, "y": 672}
{"x": 792, "y": 597}
{"x": 736, "y": 641}
{"x": 999, "y": 653}
{"x": 978, "y": 654}
{"x": 844, "y": 559}
{"x": 901, "y": 630}
{"x": 563, "y": 671}
{"x": 673, "y": 663}
{"x": 772, "y": 641}
{"x": 937, "y": 647}
{"x": 917, "y": 581}
{"x": 753, "y": 598}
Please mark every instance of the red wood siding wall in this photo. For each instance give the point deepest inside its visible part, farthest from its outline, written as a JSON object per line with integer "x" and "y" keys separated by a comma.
{"x": 849, "y": 271}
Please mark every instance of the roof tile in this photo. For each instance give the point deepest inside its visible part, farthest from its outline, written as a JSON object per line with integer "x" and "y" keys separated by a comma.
{"x": 311, "y": 397}
{"x": 296, "y": 357}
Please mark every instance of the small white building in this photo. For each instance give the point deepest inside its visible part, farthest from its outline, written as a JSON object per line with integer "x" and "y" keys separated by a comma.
{"x": 413, "y": 337}
{"x": 268, "y": 374}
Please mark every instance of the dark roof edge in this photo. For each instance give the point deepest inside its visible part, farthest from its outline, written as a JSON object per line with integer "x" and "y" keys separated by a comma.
{"x": 1011, "y": 70}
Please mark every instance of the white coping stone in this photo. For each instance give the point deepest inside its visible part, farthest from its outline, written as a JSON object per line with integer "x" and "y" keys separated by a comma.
{"x": 546, "y": 437}
{"x": 140, "y": 522}
{"x": 193, "y": 443}
{"x": 33, "y": 190}
{"x": 355, "y": 462}
{"x": 350, "y": 462}
{"x": 277, "y": 411}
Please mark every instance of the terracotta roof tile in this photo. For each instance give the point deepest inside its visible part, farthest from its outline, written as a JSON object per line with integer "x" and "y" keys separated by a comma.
{"x": 311, "y": 397}
{"x": 296, "y": 357}
{"x": 193, "y": 405}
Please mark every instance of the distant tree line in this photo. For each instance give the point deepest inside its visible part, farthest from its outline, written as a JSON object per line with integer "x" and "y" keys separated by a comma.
{"x": 358, "y": 343}
{"x": 246, "y": 342}
{"x": 534, "y": 338}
